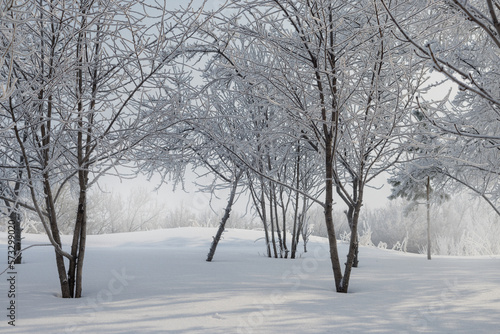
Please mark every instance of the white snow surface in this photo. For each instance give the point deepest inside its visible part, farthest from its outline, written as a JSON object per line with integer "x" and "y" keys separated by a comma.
{"x": 159, "y": 282}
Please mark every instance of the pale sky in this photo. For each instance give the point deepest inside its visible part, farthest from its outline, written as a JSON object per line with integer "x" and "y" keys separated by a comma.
{"x": 199, "y": 202}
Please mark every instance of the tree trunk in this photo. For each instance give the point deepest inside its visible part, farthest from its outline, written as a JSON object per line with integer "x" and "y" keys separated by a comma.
{"x": 84, "y": 134}
{"x": 332, "y": 239}
{"x": 304, "y": 230}
{"x": 54, "y": 230}
{"x": 276, "y": 219}
{"x": 78, "y": 245}
{"x": 16, "y": 221}
{"x": 81, "y": 252}
{"x": 305, "y": 244}
{"x": 353, "y": 248}
{"x": 264, "y": 220}
{"x": 222, "y": 225}
{"x": 295, "y": 232}
{"x": 260, "y": 205}
{"x": 283, "y": 213}
{"x": 14, "y": 215}
{"x": 273, "y": 239}
{"x": 350, "y": 219}
{"x": 428, "y": 207}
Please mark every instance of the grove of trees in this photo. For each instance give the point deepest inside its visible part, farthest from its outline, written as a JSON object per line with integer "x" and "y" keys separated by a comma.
{"x": 298, "y": 103}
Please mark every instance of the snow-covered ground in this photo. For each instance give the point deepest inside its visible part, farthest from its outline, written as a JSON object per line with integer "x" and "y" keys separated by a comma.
{"x": 159, "y": 282}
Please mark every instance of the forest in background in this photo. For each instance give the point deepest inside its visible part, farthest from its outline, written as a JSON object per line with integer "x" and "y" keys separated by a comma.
{"x": 459, "y": 228}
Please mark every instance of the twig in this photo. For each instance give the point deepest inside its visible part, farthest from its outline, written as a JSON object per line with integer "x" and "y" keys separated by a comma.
{"x": 19, "y": 254}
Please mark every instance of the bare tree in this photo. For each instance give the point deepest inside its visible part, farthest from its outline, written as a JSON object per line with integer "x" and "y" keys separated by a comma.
{"x": 319, "y": 65}
{"x": 81, "y": 98}
{"x": 237, "y": 176}
{"x": 460, "y": 40}
{"x": 12, "y": 17}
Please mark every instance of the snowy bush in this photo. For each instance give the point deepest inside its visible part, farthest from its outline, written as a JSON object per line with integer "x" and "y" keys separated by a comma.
{"x": 460, "y": 226}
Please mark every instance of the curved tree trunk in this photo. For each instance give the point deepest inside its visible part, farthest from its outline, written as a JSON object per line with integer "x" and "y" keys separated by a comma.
{"x": 227, "y": 212}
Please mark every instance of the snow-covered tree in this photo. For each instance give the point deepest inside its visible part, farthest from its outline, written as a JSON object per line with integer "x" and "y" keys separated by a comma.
{"x": 261, "y": 138}
{"x": 12, "y": 15}
{"x": 78, "y": 97}
{"x": 334, "y": 80}
{"x": 461, "y": 41}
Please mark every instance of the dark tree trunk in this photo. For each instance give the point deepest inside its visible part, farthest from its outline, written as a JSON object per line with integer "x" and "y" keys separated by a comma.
{"x": 350, "y": 220}
{"x": 16, "y": 221}
{"x": 428, "y": 207}
{"x": 276, "y": 219}
{"x": 353, "y": 248}
{"x": 260, "y": 206}
{"x": 75, "y": 272}
{"x": 54, "y": 230}
{"x": 222, "y": 225}
{"x": 84, "y": 138}
{"x": 14, "y": 214}
{"x": 264, "y": 220}
{"x": 271, "y": 217}
{"x": 295, "y": 232}
{"x": 303, "y": 225}
{"x": 284, "y": 209}
{"x": 332, "y": 239}
{"x": 283, "y": 213}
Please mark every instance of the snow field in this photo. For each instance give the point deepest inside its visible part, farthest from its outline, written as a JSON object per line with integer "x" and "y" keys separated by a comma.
{"x": 159, "y": 282}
